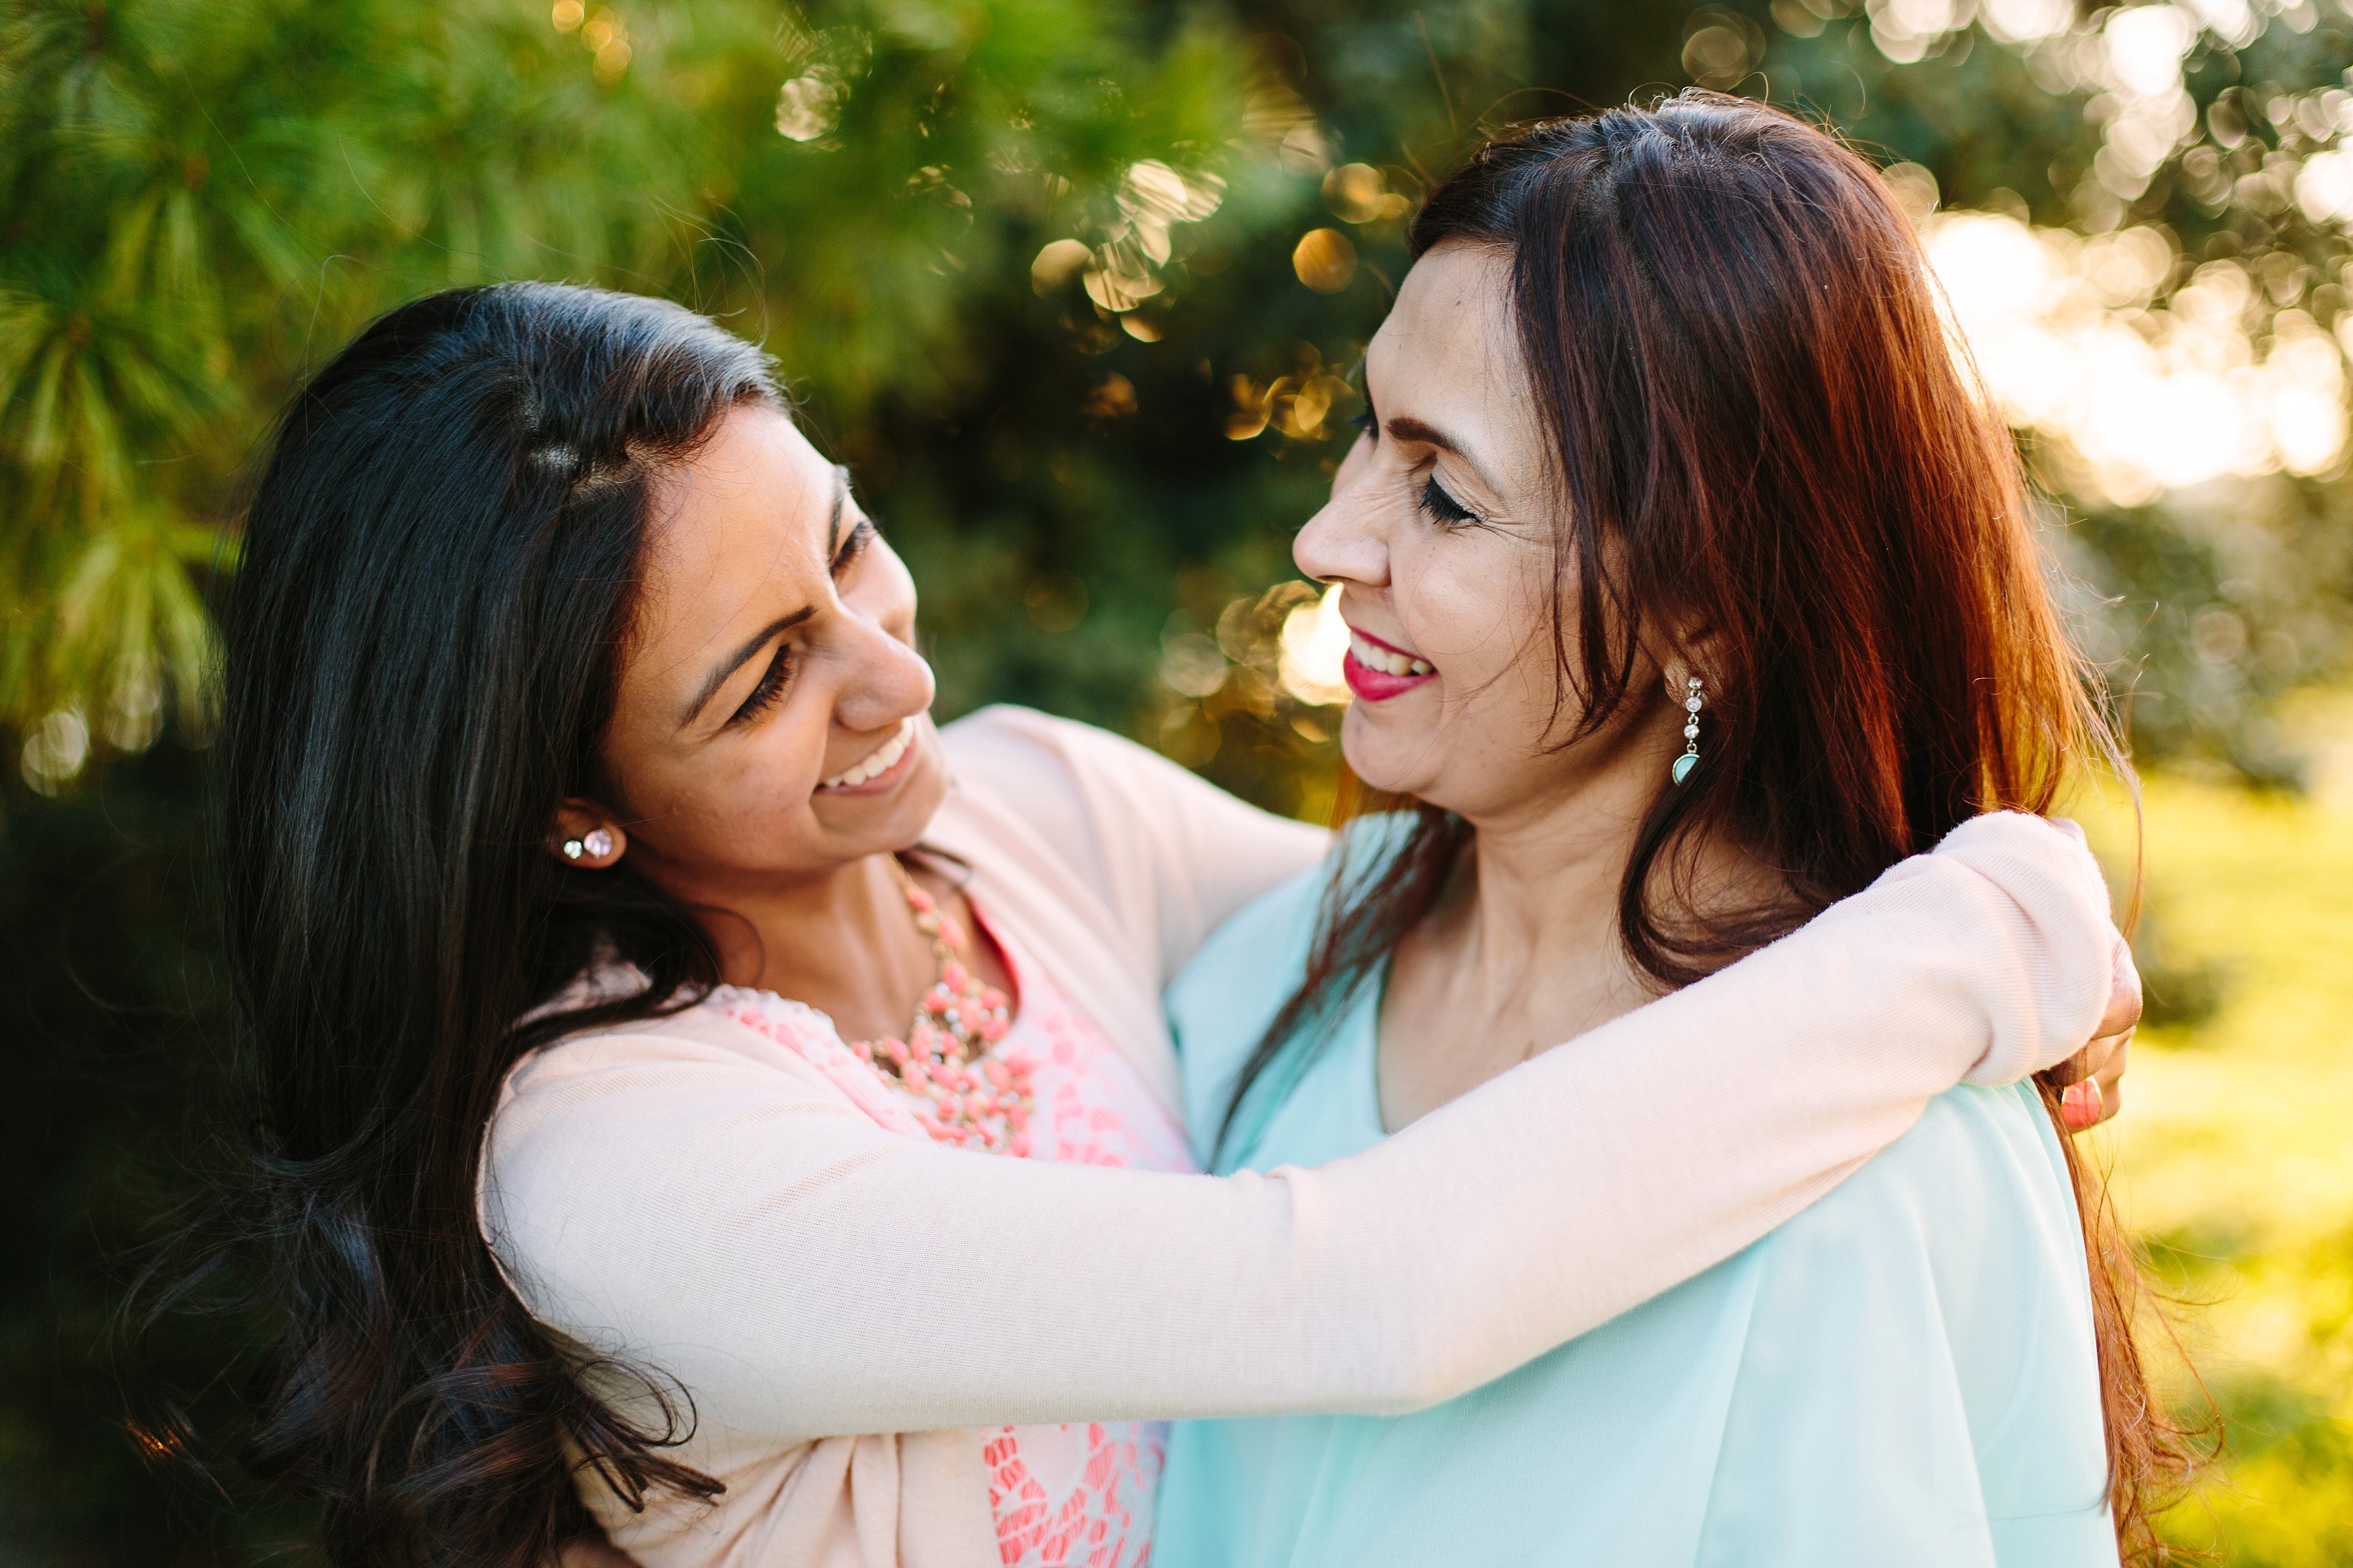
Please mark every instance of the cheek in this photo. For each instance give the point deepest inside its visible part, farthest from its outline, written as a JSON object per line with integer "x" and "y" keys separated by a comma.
{"x": 1471, "y": 606}
{"x": 710, "y": 803}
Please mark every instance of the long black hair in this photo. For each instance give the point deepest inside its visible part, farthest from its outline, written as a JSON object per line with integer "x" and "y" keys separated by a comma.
{"x": 439, "y": 572}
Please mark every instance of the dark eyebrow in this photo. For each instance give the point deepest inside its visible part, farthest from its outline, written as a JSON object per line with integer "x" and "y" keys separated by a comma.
{"x": 718, "y": 677}
{"x": 1406, "y": 428}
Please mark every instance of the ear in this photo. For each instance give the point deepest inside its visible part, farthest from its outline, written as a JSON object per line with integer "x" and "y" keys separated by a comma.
{"x": 1684, "y": 651}
{"x": 586, "y": 836}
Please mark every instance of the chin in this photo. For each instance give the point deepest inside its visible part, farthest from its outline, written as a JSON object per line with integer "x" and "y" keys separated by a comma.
{"x": 1378, "y": 757}
{"x": 918, "y": 800}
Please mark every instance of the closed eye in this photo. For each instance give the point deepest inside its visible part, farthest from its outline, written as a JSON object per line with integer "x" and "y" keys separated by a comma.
{"x": 864, "y": 535}
{"x": 773, "y": 681}
{"x": 1442, "y": 507}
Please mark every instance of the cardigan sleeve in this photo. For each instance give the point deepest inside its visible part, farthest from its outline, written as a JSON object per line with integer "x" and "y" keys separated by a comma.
{"x": 1171, "y": 853}
{"x": 802, "y": 1273}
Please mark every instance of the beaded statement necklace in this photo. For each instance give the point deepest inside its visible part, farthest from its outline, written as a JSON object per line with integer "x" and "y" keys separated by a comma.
{"x": 968, "y": 1096}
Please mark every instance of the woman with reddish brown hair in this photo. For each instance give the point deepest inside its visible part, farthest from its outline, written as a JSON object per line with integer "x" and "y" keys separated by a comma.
{"x": 1691, "y": 589}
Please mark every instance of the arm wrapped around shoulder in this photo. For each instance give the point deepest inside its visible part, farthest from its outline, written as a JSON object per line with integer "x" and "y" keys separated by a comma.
{"x": 672, "y": 1194}
{"x": 1655, "y": 1146}
{"x": 2046, "y": 901}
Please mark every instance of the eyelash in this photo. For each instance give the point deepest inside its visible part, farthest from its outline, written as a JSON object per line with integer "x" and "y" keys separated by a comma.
{"x": 864, "y": 535}
{"x": 780, "y": 669}
{"x": 1436, "y": 503}
{"x": 1442, "y": 507}
{"x": 772, "y": 686}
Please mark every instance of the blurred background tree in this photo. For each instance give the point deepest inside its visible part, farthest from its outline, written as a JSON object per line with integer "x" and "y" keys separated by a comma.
{"x": 1074, "y": 287}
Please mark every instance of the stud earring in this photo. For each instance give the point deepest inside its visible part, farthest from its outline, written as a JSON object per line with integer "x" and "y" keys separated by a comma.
{"x": 597, "y": 841}
{"x": 1692, "y": 703}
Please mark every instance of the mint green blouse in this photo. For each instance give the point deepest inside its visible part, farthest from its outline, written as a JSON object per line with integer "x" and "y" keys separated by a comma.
{"x": 1903, "y": 1377}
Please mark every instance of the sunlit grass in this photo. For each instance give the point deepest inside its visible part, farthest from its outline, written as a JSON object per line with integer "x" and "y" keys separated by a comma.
{"x": 2235, "y": 1155}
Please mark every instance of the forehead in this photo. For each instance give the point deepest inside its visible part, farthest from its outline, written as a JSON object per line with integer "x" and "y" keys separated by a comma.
{"x": 1450, "y": 344}
{"x": 738, "y": 537}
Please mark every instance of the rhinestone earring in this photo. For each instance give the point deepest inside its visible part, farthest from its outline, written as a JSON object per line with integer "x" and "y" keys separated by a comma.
{"x": 595, "y": 841}
{"x": 1692, "y": 703}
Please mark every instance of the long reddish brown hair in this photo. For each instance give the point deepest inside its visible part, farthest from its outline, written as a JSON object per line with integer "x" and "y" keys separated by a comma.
{"x": 1757, "y": 427}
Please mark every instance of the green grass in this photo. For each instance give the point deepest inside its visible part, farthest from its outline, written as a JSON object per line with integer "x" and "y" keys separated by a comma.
{"x": 2235, "y": 1155}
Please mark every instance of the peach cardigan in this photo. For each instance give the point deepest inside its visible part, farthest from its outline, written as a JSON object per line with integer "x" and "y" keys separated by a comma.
{"x": 696, "y": 1197}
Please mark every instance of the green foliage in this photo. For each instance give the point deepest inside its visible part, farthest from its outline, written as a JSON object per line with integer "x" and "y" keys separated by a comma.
{"x": 1029, "y": 267}
{"x": 202, "y": 199}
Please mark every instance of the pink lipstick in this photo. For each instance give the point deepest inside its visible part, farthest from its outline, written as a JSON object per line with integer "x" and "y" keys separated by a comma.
{"x": 1376, "y": 671}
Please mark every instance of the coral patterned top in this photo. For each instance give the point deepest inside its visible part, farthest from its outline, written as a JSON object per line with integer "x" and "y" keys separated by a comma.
{"x": 1076, "y": 1496}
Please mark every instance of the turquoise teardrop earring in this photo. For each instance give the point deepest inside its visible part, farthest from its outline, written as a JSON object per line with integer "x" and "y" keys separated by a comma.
{"x": 1692, "y": 703}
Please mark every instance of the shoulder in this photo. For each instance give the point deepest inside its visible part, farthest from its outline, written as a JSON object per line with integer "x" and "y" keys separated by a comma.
{"x": 1977, "y": 1160}
{"x": 1257, "y": 953}
{"x": 1920, "y": 1346}
{"x": 1225, "y": 995}
{"x": 1267, "y": 941}
{"x": 1166, "y": 854}
{"x": 643, "y": 1071}
{"x": 1261, "y": 948}
{"x": 1957, "y": 1252}
{"x": 1076, "y": 791}
{"x": 1013, "y": 751}
{"x": 1973, "y": 1206}
{"x": 614, "y": 1115}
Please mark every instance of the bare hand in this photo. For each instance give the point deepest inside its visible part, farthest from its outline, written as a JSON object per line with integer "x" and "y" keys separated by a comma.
{"x": 2095, "y": 1074}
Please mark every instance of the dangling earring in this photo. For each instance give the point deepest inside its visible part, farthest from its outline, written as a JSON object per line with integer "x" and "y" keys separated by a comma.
{"x": 1692, "y": 703}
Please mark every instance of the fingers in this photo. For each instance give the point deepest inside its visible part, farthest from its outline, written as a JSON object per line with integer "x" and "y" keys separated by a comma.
{"x": 2094, "y": 1089}
{"x": 2123, "y": 995}
{"x": 2111, "y": 1079}
{"x": 2099, "y": 1093}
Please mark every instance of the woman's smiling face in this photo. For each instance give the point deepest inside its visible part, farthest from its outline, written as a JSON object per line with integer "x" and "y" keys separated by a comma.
{"x": 1440, "y": 529}
{"x": 770, "y": 721}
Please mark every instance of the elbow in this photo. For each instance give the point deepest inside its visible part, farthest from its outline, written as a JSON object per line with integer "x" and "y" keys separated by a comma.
{"x": 1432, "y": 1366}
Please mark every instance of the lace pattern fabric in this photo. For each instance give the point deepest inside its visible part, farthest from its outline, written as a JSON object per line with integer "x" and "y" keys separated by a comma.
{"x": 1075, "y": 1496}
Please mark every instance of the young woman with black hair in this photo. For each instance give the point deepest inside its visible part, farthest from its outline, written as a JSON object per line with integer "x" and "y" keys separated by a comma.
{"x": 695, "y": 1096}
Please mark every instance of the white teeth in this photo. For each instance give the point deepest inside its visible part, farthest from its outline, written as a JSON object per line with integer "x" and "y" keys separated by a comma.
{"x": 880, "y": 761}
{"x": 1388, "y": 661}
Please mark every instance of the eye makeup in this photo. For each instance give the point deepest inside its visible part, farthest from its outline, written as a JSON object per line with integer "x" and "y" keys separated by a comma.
{"x": 1441, "y": 507}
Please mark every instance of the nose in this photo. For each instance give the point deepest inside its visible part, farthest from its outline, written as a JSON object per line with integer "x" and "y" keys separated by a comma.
{"x": 1343, "y": 542}
{"x": 887, "y": 680}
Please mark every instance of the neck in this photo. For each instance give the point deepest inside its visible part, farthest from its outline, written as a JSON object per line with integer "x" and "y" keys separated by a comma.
{"x": 1528, "y": 928}
{"x": 1533, "y": 916}
{"x": 843, "y": 941}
